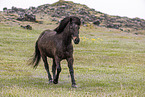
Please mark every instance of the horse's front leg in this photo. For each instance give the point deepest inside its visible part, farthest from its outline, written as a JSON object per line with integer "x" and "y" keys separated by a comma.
{"x": 71, "y": 70}
{"x": 54, "y": 69}
{"x": 58, "y": 67}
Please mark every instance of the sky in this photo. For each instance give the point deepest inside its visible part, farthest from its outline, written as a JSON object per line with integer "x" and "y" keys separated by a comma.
{"x": 128, "y": 8}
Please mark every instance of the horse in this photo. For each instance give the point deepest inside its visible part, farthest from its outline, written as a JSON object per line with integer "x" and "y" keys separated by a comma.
{"x": 57, "y": 44}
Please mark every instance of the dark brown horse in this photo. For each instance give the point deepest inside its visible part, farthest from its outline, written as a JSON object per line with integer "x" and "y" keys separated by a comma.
{"x": 57, "y": 45}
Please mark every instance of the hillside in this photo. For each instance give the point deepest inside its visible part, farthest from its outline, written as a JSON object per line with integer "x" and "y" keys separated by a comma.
{"x": 59, "y": 10}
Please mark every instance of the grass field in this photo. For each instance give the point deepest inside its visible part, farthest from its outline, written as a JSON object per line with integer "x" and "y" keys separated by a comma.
{"x": 108, "y": 63}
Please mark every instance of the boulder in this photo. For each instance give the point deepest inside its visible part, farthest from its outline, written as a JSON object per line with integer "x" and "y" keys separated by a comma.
{"x": 27, "y": 17}
{"x": 27, "y": 27}
{"x": 97, "y": 22}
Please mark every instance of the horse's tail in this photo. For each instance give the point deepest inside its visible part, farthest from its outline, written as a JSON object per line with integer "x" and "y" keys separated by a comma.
{"x": 37, "y": 56}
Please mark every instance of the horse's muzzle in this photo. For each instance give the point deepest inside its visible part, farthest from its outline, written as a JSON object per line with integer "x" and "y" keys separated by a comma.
{"x": 76, "y": 40}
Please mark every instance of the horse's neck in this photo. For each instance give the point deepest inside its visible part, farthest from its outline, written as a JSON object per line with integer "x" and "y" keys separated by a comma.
{"x": 66, "y": 36}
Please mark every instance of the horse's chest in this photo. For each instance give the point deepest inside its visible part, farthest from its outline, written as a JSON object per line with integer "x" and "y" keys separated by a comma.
{"x": 64, "y": 53}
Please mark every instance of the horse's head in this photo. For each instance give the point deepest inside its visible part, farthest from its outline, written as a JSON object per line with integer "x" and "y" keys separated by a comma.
{"x": 74, "y": 29}
{"x": 74, "y": 25}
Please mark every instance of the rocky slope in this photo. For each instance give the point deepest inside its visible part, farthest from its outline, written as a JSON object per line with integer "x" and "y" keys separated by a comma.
{"x": 66, "y": 8}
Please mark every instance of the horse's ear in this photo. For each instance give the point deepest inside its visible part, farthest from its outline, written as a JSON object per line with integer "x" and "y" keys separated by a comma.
{"x": 70, "y": 20}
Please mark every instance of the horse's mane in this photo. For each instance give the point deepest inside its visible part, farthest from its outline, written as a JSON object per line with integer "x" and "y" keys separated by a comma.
{"x": 65, "y": 21}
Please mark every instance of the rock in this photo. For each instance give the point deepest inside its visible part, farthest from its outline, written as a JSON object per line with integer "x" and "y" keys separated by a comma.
{"x": 97, "y": 22}
{"x": 27, "y": 27}
{"x": 121, "y": 29}
{"x": 30, "y": 17}
{"x": 40, "y": 22}
{"x": 116, "y": 26}
{"x": 54, "y": 19}
{"x": 27, "y": 17}
{"x": 5, "y": 9}
{"x": 136, "y": 33}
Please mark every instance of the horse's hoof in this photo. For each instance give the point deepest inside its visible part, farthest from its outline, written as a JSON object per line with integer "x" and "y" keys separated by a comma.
{"x": 50, "y": 81}
{"x": 74, "y": 86}
{"x": 55, "y": 82}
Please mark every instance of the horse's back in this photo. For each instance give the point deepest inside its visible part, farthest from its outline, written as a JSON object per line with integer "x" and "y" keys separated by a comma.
{"x": 50, "y": 32}
{"x": 47, "y": 33}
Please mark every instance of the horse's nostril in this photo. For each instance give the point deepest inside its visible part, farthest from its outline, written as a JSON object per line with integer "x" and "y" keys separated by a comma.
{"x": 77, "y": 40}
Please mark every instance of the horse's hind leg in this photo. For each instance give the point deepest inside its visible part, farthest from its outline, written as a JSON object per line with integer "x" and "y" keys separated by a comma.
{"x": 47, "y": 68}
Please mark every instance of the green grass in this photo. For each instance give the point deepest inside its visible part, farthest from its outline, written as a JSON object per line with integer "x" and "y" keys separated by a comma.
{"x": 107, "y": 63}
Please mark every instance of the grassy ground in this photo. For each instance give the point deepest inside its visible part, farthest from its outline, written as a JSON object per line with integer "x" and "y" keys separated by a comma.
{"x": 107, "y": 63}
